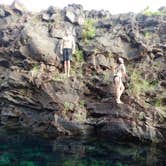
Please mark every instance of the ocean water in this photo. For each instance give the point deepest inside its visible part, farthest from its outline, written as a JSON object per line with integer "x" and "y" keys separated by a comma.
{"x": 23, "y": 149}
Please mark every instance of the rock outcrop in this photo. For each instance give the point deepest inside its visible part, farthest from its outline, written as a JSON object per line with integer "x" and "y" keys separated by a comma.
{"x": 35, "y": 94}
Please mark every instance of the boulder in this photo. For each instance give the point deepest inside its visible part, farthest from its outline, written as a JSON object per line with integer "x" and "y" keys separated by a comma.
{"x": 162, "y": 9}
{"x": 2, "y": 13}
{"x": 40, "y": 45}
{"x": 97, "y": 14}
{"x": 120, "y": 121}
{"x": 52, "y": 10}
{"x": 45, "y": 17}
{"x": 57, "y": 31}
{"x": 106, "y": 24}
{"x": 74, "y": 14}
{"x": 16, "y": 5}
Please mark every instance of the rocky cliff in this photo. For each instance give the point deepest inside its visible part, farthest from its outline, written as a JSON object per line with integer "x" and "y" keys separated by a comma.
{"x": 35, "y": 94}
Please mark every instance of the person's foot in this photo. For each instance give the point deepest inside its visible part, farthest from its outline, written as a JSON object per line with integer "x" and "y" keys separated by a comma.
{"x": 119, "y": 102}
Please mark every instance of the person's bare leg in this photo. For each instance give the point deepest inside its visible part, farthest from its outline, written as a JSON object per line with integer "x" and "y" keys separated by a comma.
{"x": 65, "y": 67}
{"x": 118, "y": 91}
{"x": 122, "y": 88}
{"x": 121, "y": 91}
{"x": 68, "y": 68}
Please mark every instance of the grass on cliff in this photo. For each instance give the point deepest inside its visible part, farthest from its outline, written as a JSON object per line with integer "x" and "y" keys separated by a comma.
{"x": 78, "y": 55}
{"x": 147, "y": 35}
{"x": 76, "y": 68}
{"x": 59, "y": 77}
{"x": 148, "y": 12}
{"x": 89, "y": 30}
{"x": 159, "y": 104}
{"x": 79, "y": 113}
{"x": 68, "y": 106}
{"x": 138, "y": 85}
{"x": 106, "y": 76}
{"x": 35, "y": 70}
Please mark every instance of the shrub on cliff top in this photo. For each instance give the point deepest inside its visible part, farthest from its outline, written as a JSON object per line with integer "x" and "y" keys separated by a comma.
{"x": 148, "y": 12}
{"x": 89, "y": 30}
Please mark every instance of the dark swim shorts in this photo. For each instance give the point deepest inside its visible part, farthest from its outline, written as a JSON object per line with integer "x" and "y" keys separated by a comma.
{"x": 67, "y": 54}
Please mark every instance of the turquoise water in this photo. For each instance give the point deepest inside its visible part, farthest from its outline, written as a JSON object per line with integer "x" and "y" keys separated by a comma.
{"x": 21, "y": 149}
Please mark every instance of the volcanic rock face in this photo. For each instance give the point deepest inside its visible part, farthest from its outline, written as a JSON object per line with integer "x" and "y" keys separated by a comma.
{"x": 35, "y": 94}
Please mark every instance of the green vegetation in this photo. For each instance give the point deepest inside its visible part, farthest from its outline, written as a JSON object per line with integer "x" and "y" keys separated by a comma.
{"x": 80, "y": 116}
{"x": 78, "y": 55}
{"x": 148, "y": 12}
{"x": 89, "y": 30}
{"x": 80, "y": 113}
{"x": 35, "y": 70}
{"x": 58, "y": 77}
{"x": 147, "y": 35}
{"x": 77, "y": 69}
{"x": 68, "y": 106}
{"x": 159, "y": 104}
{"x": 138, "y": 85}
{"x": 82, "y": 103}
{"x": 106, "y": 76}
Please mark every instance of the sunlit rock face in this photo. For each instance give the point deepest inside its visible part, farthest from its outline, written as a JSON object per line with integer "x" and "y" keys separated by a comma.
{"x": 35, "y": 94}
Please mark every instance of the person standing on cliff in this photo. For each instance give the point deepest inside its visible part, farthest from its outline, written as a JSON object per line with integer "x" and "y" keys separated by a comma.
{"x": 119, "y": 74}
{"x": 67, "y": 49}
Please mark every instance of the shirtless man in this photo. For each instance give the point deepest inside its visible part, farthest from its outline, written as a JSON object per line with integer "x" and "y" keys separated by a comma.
{"x": 120, "y": 72}
{"x": 67, "y": 49}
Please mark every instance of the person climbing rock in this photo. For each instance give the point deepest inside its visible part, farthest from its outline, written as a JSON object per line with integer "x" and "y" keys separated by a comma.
{"x": 67, "y": 49}
{"x": 119, "y": 74}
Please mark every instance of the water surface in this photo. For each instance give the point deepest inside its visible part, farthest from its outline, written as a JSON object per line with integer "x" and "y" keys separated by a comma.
{"x": 21, "y": 149}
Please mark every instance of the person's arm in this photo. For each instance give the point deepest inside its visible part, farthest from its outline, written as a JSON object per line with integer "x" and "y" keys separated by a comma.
{"x": 61, "y": 46}
{"x": 114, "y": 68}
{"x": 73, "y": 45}
{"x": 124, "y": 72}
